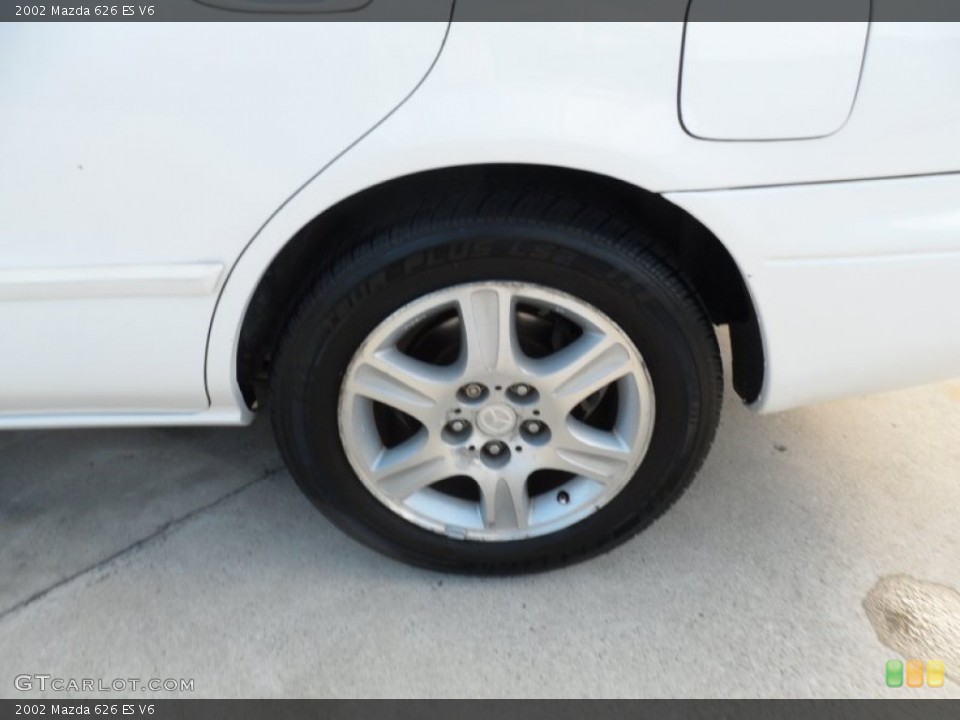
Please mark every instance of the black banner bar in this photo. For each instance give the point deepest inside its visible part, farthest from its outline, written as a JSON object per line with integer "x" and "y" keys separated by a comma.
{"x": 484, "y": 709}
{"x": 474, "y": 10}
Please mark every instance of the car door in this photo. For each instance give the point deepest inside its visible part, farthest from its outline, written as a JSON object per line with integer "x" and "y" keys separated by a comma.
{"x": 136, "y": 162}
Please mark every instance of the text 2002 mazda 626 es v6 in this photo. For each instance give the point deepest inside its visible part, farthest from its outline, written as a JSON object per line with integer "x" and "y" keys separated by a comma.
{"x": 475, "y": 270}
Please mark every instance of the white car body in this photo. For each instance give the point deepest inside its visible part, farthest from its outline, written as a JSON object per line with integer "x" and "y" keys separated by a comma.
{"x": 150, "y": 175}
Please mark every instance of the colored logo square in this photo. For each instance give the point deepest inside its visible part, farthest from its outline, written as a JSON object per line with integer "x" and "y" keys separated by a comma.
{"x": 914, "y": 673}
{"x": 894, "y": 673}
{"x": 935, "y": 673}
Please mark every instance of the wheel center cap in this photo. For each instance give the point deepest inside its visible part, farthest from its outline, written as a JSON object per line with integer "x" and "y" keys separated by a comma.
{"x": 497, "y": 420}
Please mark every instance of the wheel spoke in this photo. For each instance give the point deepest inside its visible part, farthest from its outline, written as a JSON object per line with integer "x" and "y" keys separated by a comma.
{"x": 504, "y": 504}
{"x": 584, "y": 367}
{"x": 586, "y": 451}
{"x": 401, "y": 382}
{"x": 411, "y": 466}
{"x": 489, "y": 331}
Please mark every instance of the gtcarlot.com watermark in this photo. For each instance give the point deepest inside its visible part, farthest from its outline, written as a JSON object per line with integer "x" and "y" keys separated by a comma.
{"x": 45, "y": 683}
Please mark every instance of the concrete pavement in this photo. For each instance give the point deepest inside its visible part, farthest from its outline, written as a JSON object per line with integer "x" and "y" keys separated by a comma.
{"x": 189, "y": 553}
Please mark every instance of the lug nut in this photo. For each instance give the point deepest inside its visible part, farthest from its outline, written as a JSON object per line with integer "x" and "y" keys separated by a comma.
{"x": 495, "y": 449}
{"x": 473, "y": 390}
{"x": 456, "y": 431}
{"x": 562, "y": 497}
{"x": 521, "y": 392}
{"x": 535, "y": 431}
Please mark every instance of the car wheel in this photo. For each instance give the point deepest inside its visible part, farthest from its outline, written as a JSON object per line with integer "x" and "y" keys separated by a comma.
{"x": 496, "y": 394}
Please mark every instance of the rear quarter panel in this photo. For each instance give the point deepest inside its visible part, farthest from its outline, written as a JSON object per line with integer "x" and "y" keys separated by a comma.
{"x": 135, "y": 156}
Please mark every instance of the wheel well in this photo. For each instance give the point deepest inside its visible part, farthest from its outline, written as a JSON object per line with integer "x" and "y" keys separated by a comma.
{"x": 680, "y": 239}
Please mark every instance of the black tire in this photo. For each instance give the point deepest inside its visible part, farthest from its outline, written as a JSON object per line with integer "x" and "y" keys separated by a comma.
{"x": 554, "y": 242}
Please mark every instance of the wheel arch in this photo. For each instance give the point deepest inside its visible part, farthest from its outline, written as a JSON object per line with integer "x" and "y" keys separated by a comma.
{"x": 679, "y": 237}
